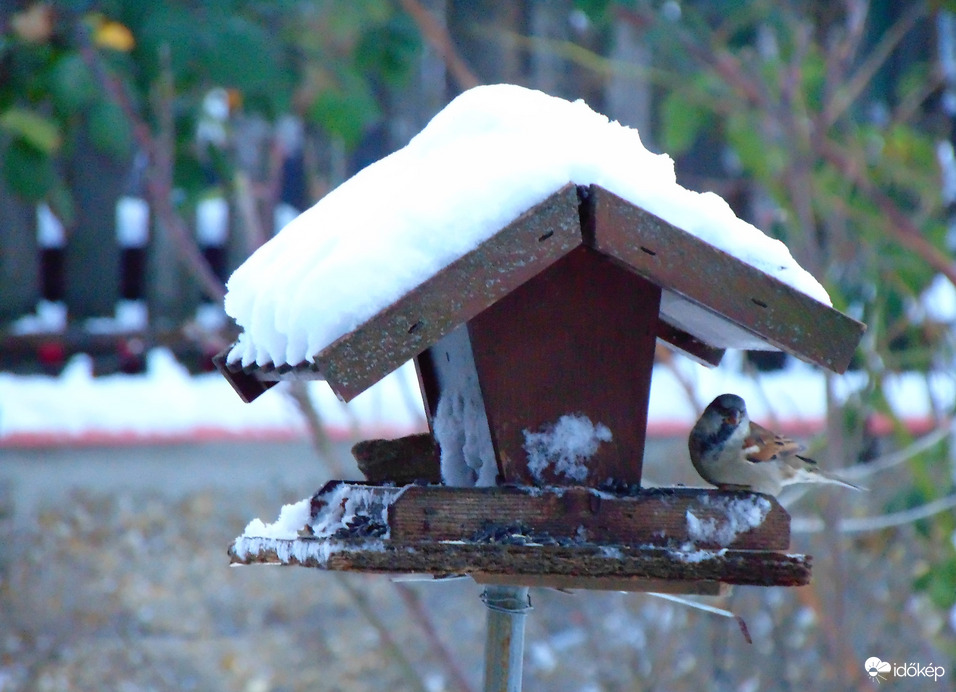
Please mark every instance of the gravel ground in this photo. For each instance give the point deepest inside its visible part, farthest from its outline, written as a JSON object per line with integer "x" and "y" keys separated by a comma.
{"x": 114, "y": 576}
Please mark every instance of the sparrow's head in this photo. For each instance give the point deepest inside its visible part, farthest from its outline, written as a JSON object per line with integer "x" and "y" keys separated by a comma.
{"x": 730, "y": 409}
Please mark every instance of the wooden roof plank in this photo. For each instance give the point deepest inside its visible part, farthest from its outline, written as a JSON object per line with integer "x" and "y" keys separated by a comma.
{"x": 247, "y": 385}
{"x": 451, "y": 297}
{"x": 778, "y": 314}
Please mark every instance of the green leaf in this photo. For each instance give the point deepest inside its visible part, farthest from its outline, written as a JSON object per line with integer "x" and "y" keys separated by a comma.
{"x": 345, "y": 113}
{"x": 388, "y": 50}
{"x": 681, "y": 122}
{"x": 751, "y": 148}
{"x": 28, "y": 171}
{"x": 61, "y": 202}
{"x": 109, "y": 129}
{"x": 240, "y": 55}
{"x": 28, "y": 126}
{"x": 596, "y": 10}
{"x": 170, "y": 29}
{"x": 71, "y": 84}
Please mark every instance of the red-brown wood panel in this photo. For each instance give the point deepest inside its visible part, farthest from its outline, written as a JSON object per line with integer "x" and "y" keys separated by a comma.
{"x": 577, "y": 339}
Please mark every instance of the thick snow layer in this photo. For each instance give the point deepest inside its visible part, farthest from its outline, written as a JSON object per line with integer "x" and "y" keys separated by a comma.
{"x": 291, "y": 518}
{"x": 491, "y": 154}
{"x": 565, "y": 446}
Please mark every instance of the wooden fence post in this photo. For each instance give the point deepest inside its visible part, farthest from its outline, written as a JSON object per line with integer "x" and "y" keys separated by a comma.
{"x": 19, "y": 257}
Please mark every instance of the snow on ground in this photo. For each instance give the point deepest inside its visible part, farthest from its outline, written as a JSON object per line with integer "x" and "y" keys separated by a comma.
{"x": 166, "y": 404}
{"x": 491, "y": 154}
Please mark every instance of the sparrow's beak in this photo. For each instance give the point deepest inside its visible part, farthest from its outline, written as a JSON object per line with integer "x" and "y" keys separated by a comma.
{"x": 733, "y": 419}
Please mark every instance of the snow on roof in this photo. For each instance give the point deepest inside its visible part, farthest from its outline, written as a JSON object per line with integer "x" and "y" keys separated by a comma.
{"x": 493, "y": 153}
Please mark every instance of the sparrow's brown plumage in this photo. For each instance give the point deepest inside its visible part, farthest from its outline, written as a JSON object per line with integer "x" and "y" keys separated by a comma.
{"x": 730, "y": 451}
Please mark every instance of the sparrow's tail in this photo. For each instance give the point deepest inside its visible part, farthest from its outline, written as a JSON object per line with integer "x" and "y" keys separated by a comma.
{"x": 830, "y": 478}
{"x": 811, "y": 473}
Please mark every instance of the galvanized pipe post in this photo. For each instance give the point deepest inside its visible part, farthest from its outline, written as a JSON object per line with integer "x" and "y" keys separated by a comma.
{"x": 504, "y": 645}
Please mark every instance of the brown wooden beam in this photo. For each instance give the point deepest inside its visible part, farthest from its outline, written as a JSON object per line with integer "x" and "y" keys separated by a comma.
{"x": 689, "y": 345}
{"x": 648, "y": 518}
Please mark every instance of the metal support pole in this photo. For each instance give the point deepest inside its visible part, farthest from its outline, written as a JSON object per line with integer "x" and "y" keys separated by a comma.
{"x": 504, "y": 646}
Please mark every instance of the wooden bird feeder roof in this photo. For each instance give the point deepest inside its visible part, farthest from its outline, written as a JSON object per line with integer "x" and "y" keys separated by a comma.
{"x": 559, "y": 313}
{"x": 710, "y": 300}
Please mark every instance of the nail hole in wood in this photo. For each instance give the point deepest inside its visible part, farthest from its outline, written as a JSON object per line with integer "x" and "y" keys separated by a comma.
{"x": 414, "y": 327}
{"x": 544, "y": 237}
{"x": 648, "y": 250}
{"x": 758, "y": 302}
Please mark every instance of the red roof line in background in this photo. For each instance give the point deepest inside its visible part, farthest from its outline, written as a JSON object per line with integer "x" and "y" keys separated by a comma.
{"x": 879, "y": 425}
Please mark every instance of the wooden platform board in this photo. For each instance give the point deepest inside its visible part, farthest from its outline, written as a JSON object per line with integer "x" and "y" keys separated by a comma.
{"x": 676, "y": 540}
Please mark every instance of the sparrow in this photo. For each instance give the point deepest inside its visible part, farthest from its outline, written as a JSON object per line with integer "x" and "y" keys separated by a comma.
{"x": 731, "y": 452}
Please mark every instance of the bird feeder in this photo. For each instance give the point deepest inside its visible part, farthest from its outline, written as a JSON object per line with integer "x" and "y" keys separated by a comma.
{"x": 556, "y": 314}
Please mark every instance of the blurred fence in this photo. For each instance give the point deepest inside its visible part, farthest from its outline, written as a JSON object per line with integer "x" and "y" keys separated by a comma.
{"x": 113, "y": 290}
{"x": 113, "y": 285}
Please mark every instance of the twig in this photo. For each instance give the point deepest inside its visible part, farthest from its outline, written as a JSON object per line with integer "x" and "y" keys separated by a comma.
{"x": 414, "y": 605}
{"x": 299, "y": 393}
{"x": 159, "y": 183}
{"x": 666, "y": 358}
{"x": 392, "y": 649}
{"x": 438, "y": 38}
{"x": 845, "y": 97}
{"x": 248, "y": 212}
{"x": 875, "y": 523}
{"x": 707, "y": 609}
{"x": 906, "y": 233}
{"x": 888, "y": 461}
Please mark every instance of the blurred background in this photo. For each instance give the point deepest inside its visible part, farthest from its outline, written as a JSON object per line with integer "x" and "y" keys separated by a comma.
{"x": 146, "y": 149}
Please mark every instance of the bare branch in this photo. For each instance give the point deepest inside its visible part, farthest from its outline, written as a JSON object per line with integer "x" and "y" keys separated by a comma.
{"x": 159, "y": 151}
{"x": 906, "y": 233}
{"x": 298, "y": 391}
{"x": 844, "y": 97}
{"x": 420, "y": 615}
{"x": 437, "y": 37}
{"x": 888, "y": 461}
{"x": 390, "y": 646}
{"x": 875, "y": 523}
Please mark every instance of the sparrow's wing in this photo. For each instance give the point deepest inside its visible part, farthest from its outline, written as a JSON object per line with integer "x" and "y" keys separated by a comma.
{"x": 766, "y": 445}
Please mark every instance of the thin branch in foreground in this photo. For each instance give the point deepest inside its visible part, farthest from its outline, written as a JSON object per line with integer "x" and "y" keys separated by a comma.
{"x": 437, "y": 37}
{"x": 875, "y": 523}
{"x": 413, "y": 602}
{"x": 888, "y": 461}
{"x": 707, "y": 609}
{"x": 391, "y": 647}
{"x": 159, "y": 182}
